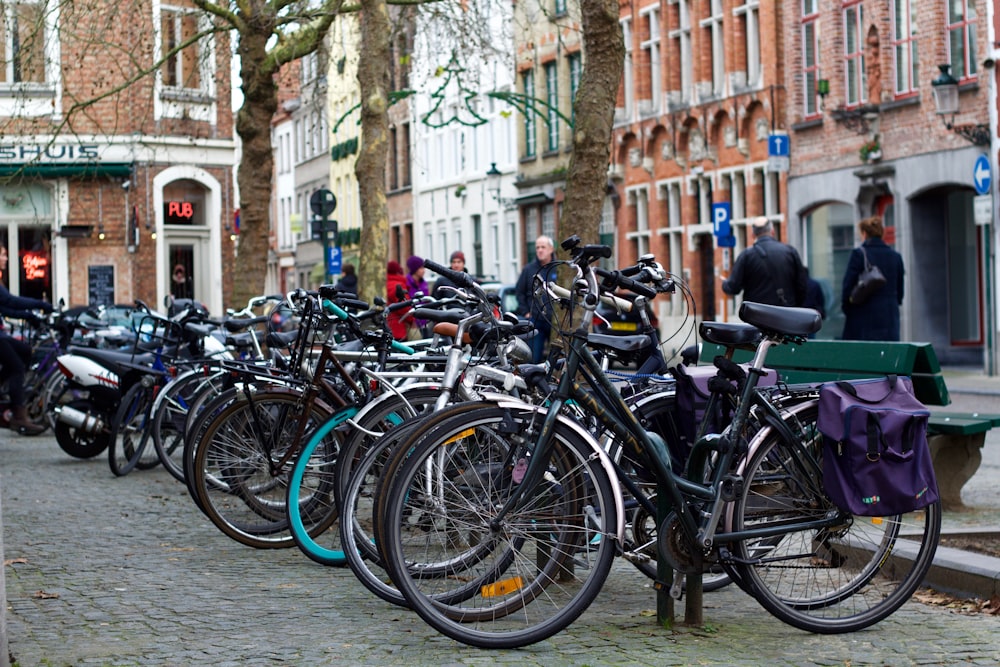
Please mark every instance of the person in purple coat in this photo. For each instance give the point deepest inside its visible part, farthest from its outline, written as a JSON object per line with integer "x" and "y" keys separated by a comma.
{"x": 878, "y": 317}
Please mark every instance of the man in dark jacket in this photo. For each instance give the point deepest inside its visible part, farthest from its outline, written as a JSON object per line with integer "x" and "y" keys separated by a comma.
{"x": 537, "y": 309}
{"x": 769, "y": 271}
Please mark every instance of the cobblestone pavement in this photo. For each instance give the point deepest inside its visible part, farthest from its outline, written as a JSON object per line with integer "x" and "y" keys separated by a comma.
{"x": 108, "y": 571}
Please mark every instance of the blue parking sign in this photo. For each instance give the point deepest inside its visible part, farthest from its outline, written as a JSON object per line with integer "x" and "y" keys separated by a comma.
{"x": 721, "y": 215}
{"x": 333, "y": 261}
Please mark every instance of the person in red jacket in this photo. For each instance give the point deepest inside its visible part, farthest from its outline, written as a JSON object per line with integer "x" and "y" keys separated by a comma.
{"x": 396, "y": 278}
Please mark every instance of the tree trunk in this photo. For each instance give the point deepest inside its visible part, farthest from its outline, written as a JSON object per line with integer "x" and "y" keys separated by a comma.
{"x": 253, "y": 124}
{"x": 594, "y": 110}
{"x": 373, "y": 79}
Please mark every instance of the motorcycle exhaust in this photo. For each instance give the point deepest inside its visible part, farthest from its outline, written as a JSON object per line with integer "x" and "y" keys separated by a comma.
{"x": 79, "y": 420}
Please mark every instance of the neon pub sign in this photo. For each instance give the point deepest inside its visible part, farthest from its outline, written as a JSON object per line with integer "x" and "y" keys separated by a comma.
{"x": 178, "y": 213}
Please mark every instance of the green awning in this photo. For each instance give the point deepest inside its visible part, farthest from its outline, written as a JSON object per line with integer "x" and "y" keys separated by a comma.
{"x": 78, "y": 170}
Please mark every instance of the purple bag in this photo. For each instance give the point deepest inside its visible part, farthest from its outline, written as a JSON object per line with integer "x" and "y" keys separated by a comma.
{"x": 876, "y": 461}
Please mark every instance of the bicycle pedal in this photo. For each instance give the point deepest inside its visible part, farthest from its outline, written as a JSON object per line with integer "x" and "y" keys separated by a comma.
{"x": 677, "y": 589}
{"x": 732, "y": 488}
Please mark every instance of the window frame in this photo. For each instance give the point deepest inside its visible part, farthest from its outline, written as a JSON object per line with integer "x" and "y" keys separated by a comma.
{"x": 969, "y": 71}
{"x": 33, "y": 98}
{"x": 904, "y": 41}
{"x": 652, "y": 48}
{"x": 714, "y": 25}
{"x": 750, "y": 11}
{"x": 552, "y": 100}
{"x": 810, "y": 21}
{"x": 854, "y": 59}
{"x": 530, "y": 128}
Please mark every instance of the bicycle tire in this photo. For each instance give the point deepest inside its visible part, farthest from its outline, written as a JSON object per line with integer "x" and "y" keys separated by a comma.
{"x": 170, "y": 415}
{"x": 130, "y": 430}
{"x": 234, "y": 471}
{"x": 834, "y": 580}
{"x": 557, "y": 568}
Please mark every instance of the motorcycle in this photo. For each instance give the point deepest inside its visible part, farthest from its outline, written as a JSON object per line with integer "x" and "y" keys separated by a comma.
{"x": 98, "y": 378}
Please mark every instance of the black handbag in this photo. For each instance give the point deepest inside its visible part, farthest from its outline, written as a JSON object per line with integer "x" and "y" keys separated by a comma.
{"x": 870, "y": 281}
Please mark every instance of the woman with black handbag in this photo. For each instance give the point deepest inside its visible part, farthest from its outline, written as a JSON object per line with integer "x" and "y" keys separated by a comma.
{"x": 872, "y": 313}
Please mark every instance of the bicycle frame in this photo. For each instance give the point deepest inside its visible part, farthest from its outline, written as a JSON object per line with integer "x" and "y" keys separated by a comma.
{"x": 686, "y": 497}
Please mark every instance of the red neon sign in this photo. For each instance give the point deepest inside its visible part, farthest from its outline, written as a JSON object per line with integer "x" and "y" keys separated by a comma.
{"x": 179, "y": 213}
{"x": 35, "y": 266}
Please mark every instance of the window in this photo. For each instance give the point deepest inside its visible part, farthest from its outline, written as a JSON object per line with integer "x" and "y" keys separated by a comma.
{"x": 854, "y": 56}
{"x": 904, "y": 46}
{"x": 529, "y": 115}
{"x": 651, "y": 54}
{"x": 559, "y": 7}
{"x": 552, "y": 98}
{"x": 185, "y": 82}
{"x": 182, "y": 69}
{"x": 575, "y": 72}
{"x": 23, "y": 34}
{"x": 638, "y": 200}
{"x": 627, "y": 80}
{"x": 962, "y": 38}
{"x": 712, "y": 26}
{"x": 681, "y": 37}
{"x": 810, "y": 57}
{"x": 748, "y": 15}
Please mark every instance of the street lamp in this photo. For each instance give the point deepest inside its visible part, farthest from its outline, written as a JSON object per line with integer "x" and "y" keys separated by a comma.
{"x": 493, "y": 180}
{"x": 493, "y": 185}
{"x": 945, "y": 88}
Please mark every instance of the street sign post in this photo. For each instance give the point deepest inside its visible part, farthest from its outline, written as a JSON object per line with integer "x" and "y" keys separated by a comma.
{"x": 323, "y": 203}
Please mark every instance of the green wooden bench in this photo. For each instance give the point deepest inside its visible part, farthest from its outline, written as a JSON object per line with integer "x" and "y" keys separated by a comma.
{"x": 956, "y": 439}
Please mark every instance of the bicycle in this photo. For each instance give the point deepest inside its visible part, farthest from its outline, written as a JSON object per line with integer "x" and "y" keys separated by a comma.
{"x": 523, "y": 502}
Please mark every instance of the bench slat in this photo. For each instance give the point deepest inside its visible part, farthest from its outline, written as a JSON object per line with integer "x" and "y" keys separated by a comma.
{"x": 957, "y": 426}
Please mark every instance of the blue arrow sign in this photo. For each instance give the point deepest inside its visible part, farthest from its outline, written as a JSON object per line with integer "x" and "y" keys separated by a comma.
{"x": 777, "y": 145}
{"x": 982, "y": 179}
{"x": 721, "y": 214}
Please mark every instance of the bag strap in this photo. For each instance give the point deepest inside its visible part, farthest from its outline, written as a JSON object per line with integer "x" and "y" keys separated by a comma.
{"x": 849, "y": 388}
{"x": 875, "y": 437}
{"x": 868, "y": 265}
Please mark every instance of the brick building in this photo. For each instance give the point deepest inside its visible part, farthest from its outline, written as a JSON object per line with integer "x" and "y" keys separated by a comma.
{"x": 702, "y": 92}
{"x": 110, "y": 195}
{"x": 859, "y": 77}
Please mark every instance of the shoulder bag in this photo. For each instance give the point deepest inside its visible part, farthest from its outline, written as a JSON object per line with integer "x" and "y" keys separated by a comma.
{"x": 870, "y": 281}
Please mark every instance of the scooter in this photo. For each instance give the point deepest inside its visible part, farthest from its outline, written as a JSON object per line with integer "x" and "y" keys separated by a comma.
{"x": 100, "y": 377}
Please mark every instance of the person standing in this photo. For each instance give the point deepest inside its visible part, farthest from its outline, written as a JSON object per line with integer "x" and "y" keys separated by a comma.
{"x": 348, "y": 281}
{"x": 416, "y": 285}
{"x": 769, "y": 271}
{"x": 456, "y": 263}
{"x": 15, "y": 354}
{"x": 537, "y": 308}
{"x": 395, "y": 291}
{"x": 878, "y": 317}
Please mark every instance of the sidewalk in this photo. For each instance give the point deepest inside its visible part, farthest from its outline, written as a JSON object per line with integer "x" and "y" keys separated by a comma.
{"x": 126, "y": 571}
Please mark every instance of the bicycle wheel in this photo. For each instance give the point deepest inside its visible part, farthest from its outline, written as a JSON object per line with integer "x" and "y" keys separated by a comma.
{"x": 242, "y": 462}
{"x": 170, "y": 415}
{"x": 368, "y": 425}
{"x": 837, "y": 579}
{"x": 130, "y": 430}
{"x": 357, "y": 535}
{"x": 377, "y": 419}
{"x": 535, "y": 570}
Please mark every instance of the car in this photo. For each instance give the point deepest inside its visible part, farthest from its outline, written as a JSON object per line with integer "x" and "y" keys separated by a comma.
{"x": 506, "y": 294}
{"x": 610, "y": 320}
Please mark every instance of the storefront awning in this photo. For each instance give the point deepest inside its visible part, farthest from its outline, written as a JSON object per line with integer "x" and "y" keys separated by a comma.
{"x": 79, "y": 170}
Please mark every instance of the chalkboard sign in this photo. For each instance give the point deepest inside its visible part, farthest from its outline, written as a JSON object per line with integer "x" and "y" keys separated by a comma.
{"x": 101, "y": 284}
